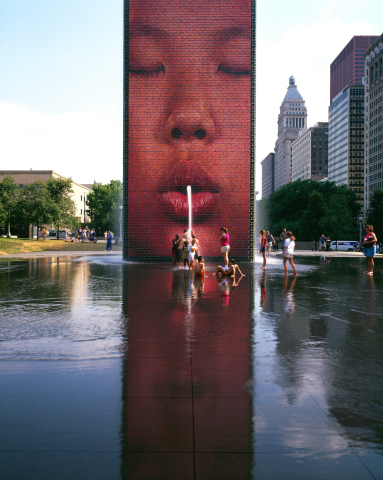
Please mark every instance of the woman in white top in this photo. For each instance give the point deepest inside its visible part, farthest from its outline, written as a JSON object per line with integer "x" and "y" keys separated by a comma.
{"x": 288, "y": 250}
{"x": 259, "y": 243}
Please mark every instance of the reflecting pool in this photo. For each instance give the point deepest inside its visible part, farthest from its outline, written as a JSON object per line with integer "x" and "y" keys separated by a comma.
{"x": 113, "y": 370}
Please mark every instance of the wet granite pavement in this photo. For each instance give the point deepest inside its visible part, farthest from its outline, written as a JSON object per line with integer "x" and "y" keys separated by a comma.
{"x": 111, "y": 370}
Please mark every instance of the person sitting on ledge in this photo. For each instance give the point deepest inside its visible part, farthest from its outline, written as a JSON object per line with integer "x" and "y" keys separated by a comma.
{"x": 229, "y": 271}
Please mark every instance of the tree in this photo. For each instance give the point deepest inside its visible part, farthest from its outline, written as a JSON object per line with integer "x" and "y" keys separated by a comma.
{"x": 36, "y": 205}
{"x": 104, "y": 206}
{"x": 9, "y": 194}
{"x": 60, "y": 191}
{"x": 375, "y": 213}
{"x": 312, "y": 218}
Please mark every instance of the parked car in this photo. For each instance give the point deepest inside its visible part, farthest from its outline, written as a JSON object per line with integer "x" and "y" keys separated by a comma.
{"x": 53, "y": 234}
{"x": 343, "y": 245}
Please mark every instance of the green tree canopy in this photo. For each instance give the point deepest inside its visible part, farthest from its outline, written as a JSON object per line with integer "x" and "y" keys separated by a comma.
{"x": 60, "y": 191}
{"x": 104, "y": 206}
{"x": 36, "y": 205}
{"x": 9, "y": 196}
{"x": 375, "y": 214}
{"x": 310, "y": 208}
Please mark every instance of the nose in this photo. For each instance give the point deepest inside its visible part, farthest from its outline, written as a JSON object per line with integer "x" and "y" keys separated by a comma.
{"x": 190, "y": 116}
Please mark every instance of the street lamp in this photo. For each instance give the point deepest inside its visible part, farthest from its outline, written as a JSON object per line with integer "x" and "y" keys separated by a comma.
{"x": 121, "y": 207}
{"x": 360, "y": 231}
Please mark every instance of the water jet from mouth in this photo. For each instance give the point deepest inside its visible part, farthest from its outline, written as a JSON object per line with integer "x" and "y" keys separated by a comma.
{"x": 189, "y": 193}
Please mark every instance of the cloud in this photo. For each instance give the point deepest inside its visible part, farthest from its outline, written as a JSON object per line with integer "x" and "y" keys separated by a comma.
{"x": 80, "y": 145}
{"x": 305, "y": 51}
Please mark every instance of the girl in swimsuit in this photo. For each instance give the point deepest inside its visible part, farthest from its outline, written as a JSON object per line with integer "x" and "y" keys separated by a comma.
{"x": 228, "y": 271}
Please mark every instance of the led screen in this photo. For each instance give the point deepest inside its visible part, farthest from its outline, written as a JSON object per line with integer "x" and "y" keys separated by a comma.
{"x": 188, "y": 121}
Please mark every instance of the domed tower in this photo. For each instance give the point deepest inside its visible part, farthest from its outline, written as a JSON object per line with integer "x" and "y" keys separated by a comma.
{"x": 291, "y": 120}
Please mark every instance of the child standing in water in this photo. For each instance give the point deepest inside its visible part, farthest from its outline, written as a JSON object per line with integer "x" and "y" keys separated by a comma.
{"x": 193, "y": 248}
{"x": 200, "y": 267}
{"x": 185, "y": 253}
{"x": 288, "y": 250}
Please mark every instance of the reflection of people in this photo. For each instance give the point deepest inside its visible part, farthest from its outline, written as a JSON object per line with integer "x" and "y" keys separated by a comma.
{"x": 288, "y": 296}
{"x": 369, "y": 248}
{"x": 263, "y": 289}
{"x": 189, "y": 120}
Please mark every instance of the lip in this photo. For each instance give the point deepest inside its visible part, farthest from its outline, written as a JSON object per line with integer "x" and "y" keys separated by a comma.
{"x": 173, "y": 196}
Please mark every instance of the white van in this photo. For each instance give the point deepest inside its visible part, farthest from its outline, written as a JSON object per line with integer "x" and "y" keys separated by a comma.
{"x": 343, "y": 245}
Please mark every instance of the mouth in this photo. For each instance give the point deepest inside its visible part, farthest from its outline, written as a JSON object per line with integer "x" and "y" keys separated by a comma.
{"x": 173, "y": 194}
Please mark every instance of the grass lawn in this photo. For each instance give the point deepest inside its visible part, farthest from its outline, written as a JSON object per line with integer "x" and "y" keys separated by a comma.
{"x": 25, "y": 245}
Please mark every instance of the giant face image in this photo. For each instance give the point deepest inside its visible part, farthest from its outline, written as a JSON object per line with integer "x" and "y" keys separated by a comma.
{"x": 189, "y": 123}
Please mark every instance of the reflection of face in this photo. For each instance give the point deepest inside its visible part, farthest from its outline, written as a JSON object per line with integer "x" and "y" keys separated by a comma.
{"x": 189, "y": 120}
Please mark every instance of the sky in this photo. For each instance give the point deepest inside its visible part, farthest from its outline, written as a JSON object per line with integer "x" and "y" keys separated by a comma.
{"x": 61, "y": 76}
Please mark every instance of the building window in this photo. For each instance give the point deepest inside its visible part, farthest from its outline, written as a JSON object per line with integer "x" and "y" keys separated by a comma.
{"x": 81, "y": 197}
{"x": 81, "y": 211}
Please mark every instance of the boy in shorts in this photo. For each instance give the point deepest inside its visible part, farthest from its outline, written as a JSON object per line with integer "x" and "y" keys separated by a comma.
{"x": 185, "y": 253}
{"x": 200, "y": 268}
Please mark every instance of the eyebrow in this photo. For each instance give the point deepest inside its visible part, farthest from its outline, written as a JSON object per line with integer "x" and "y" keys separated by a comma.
{"x": 146, "y": 30}
{"x": 227, "y": 34}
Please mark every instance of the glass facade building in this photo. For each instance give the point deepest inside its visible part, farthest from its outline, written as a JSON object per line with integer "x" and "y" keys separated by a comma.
{"x": 374, "y": 120}
{"x": 346, "y": 140}
{"x": 348, "y": 67}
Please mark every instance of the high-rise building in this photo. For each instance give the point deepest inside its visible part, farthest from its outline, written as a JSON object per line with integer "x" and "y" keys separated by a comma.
{"x": 268, "y": 165}
{"x": 292, "y": 118}
{"x": 346, "y": 140}
{"x": 348, "y": 67}
{"x": 373, "y": 119}
{"x": 310, "y": 153}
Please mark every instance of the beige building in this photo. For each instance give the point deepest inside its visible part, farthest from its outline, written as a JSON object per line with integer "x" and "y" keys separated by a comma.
{"x": 80, "y": 195}
{"x": 310, "y": 153}
{"x": 292, "y": 118}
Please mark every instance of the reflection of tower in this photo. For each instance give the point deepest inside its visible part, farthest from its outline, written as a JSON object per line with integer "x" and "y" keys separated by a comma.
{"x": 292, "y": 118}
{"x": 185, "y": 378}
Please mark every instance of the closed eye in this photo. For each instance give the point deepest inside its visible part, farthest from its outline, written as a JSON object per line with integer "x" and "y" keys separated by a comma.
{"x": 235, "y": 72}
{"x": 147, "y": 72}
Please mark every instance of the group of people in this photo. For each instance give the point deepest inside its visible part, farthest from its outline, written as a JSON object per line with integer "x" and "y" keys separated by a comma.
{"x": 84, "y": 235}
{"x": 186, "y": 252}
{"x": 325, "y": 243}
{"x": 265, "y": 243}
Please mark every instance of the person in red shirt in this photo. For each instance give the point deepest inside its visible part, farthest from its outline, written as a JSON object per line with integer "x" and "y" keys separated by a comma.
{"x": 263, "y": 248}
{"x": 369, "y": 248}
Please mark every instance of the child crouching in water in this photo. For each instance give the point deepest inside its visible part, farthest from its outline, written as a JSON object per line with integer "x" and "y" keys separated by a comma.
{"x": 288, "y": 250}
{"x": 185, "y": 253}
{"x": 200, "y": 268}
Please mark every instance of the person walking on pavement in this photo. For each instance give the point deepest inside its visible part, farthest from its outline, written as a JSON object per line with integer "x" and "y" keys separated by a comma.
{"x": 270, "y": 240}
{"x": 109, "y": 241}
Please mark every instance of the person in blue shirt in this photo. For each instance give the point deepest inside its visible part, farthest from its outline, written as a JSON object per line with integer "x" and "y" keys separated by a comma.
{"x": 92, "y": 237}
{"x": 109, "y": 241}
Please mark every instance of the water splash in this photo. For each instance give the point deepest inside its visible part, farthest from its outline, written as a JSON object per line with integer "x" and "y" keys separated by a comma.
{"x": 189, "y": 192}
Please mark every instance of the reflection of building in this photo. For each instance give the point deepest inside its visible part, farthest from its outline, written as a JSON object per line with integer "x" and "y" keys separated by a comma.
{"x": 268, "y": 165}
{"x": 291, "y": 119}
{"x": 23, "y": 177}
{"x": 348, "y": 67}
{"x": 346, "y": 140}
{"x": 310, "y": 153}
{"x": 374, "y": 119}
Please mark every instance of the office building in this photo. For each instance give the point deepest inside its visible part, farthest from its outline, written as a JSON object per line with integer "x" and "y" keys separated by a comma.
{"x": 346, "y": 140}
{"x": 268, "y": 165}
{"x": 79, "y": 196}
{"x": 374, "y": 119}
{"x": 292, "y": 118}
{"x": 310, "y": 153}
{"x": 348, "y": 67}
